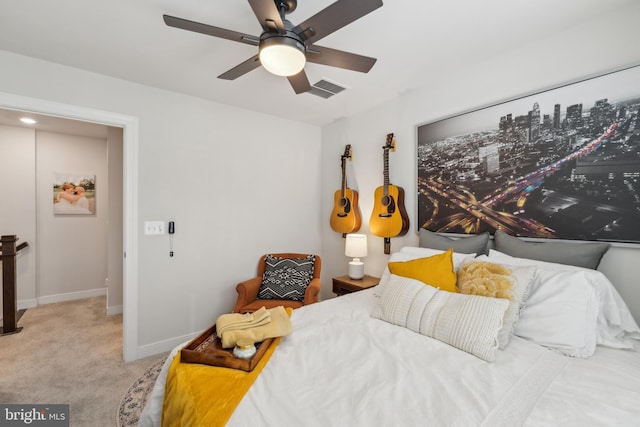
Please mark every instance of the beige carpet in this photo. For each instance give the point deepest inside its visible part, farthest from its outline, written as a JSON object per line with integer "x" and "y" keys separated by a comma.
{"x": 69, "y": 353}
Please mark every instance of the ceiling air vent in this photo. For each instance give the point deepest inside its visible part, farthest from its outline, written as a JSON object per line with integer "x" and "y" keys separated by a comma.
{"x": 326, "y": 89}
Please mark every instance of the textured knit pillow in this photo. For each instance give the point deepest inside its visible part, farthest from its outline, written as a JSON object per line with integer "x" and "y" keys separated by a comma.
{"x": 286, "y": 278}
{"x": 498, "y": 281}
{"x": 436, "y": 270}
{"x": 467, "y": 322}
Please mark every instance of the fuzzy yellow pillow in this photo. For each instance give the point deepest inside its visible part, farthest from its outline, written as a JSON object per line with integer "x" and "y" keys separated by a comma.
{"x": 511, "y": 283}
{"x": 485, "y": 279}
{"x": 436, "y": 270}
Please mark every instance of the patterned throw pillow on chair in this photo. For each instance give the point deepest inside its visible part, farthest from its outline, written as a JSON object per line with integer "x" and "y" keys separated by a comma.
{"x": 286, "y": 278}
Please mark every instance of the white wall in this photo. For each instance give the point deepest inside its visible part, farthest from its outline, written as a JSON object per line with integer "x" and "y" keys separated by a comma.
{"x": 72, "y": 256}
{"x": 238, "y": 184}
{"x": 115, "y": 242}
{"x": 73, "y": 261}
{"x": 18, "y": 205}
{"x": 588, "y": 49}
{"x": 66, "y": 254}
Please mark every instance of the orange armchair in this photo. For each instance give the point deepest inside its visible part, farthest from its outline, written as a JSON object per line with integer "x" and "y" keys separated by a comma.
{"x": 248, "y": 290}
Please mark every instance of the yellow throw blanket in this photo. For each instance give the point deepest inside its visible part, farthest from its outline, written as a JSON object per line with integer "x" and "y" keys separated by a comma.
{"x": 201, "y": 395}
{"x": 234, "y": 321}
{"x": 279, "y": 326}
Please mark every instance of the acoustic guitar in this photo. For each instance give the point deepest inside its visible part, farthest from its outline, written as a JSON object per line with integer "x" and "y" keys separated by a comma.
{"x": 389, "y": 217}
{"x": 345, "y": 217}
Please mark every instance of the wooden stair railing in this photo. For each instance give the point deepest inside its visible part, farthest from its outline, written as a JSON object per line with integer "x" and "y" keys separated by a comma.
{"x": 8, "y": 252}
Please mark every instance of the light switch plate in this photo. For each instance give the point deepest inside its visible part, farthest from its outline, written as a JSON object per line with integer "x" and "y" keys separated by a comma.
{"x": 153, "y": 227}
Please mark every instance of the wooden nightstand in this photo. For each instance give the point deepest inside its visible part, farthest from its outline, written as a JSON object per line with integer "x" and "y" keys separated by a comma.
{"x": 345, "y": 284}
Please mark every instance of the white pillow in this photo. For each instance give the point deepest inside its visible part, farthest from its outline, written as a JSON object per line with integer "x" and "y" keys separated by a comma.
{"x": 615, "y": 326}
{"x": 468, "y": 322}
{"x": 561, "y": 313}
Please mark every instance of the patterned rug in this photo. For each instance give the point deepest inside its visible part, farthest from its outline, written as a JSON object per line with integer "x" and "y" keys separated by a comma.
{"x": 135, "y": 398}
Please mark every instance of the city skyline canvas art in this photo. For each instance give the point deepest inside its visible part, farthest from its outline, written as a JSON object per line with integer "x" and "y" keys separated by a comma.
{"x": 560, "y": 164}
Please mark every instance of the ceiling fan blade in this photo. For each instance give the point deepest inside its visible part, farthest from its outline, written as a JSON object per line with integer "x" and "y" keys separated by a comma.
{"x": 268, "y": 15}
{"x": 338, "y": 58}
{"x": 334, "y": 17}
{"x": 299, "y": 82}
{"x": 241, "y": 69}
{"x": 210, "y": 30}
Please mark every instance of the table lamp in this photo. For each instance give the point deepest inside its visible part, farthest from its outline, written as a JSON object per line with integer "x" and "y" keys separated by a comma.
{"x": 356, "y": 247}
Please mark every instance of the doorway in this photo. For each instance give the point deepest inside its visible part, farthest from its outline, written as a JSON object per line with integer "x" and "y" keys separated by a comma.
{"x": 129, "y": 126}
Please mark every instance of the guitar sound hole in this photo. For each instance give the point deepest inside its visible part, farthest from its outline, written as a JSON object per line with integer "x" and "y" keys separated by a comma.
{"x": 390, "y": 204}
{"x": 345, "y": 205}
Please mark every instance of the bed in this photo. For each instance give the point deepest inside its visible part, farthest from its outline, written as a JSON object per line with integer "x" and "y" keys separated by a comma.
{"x": 383, "y": 357}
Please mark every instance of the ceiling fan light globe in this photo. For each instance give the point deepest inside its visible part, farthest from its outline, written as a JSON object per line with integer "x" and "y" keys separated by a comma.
{"x": 282, "y": 56}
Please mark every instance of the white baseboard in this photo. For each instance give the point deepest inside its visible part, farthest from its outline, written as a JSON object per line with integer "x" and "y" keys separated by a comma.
{"x": 23, "y": 304}
{"x": 118, "y": 309}
{"x": 164, "y": 346}
{"x": 27, "y": 303}
{"x": 70, "y": 296}
{"x": 32, "y": 303}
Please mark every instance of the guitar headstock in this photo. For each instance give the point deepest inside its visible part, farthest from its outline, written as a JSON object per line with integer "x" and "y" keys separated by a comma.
{"x": 390, "y": 144}
{"x": 347, "y": 152}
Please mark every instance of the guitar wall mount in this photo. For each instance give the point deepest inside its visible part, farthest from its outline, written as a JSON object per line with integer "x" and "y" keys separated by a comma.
{"x": 172, "y": 230}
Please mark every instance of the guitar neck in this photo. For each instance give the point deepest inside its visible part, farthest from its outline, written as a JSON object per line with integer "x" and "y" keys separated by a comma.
{"x": 343, "y": 188}
{"x": 386, "y": 171}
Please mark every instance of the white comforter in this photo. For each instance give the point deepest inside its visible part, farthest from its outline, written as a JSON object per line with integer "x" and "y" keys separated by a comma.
{"x": 340, "y": 367}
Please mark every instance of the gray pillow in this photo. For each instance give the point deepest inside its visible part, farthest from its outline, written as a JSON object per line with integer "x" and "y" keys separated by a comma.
{"x": 464, "y": 245}
{"x": 586, "y": 255}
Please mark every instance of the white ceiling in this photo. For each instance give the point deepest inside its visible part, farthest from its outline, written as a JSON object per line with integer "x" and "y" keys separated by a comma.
{"x": 414, "y": 41}
{"x": 53, "y": 124}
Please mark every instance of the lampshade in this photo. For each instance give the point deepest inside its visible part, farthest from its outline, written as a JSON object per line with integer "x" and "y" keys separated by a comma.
{"x": 356, "y": 245}
{"x": 282, "y": 56}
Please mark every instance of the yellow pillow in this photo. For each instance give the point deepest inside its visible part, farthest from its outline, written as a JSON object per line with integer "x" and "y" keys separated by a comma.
{"x": 486, "y": 279}
{"x": 436, "y": 270}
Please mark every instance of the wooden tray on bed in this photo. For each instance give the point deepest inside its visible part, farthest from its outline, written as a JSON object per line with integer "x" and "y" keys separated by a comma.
{"x": 207, "y": 349}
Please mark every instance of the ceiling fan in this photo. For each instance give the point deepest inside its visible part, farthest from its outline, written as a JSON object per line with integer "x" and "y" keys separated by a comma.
{"x": 283, "y": 49}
